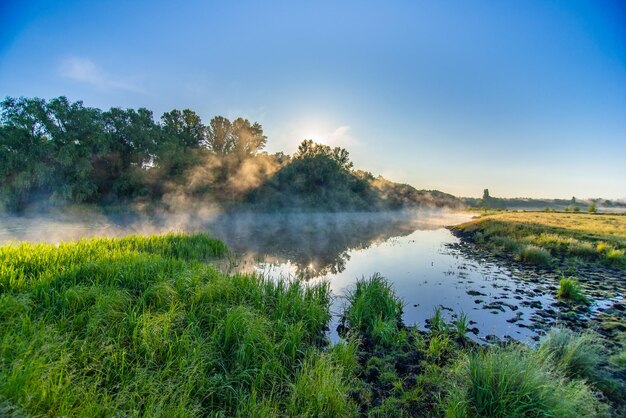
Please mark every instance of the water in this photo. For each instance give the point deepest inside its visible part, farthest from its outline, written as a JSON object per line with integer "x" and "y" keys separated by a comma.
{"x": 414, "y": 251}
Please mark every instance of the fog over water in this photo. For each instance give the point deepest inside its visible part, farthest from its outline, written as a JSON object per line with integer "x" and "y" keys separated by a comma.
{"x": 412, "y": 249}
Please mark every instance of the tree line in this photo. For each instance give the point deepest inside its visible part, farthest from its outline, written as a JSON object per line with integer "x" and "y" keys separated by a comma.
{"x": 64, "y": 151}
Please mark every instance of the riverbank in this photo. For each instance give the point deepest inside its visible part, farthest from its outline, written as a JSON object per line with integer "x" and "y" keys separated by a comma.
{"x": 148, "y": 326}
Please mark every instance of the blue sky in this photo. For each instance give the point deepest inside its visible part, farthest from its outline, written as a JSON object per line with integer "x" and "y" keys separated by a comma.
{"x": 526, "y": 98}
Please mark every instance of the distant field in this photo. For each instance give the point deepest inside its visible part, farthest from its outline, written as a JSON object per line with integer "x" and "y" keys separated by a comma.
{"x": 539, "y": 237}
{"x": 596, "y": 224}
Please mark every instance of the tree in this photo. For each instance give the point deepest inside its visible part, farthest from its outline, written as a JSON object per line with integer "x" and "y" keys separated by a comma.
{"x": 184, "y": 126}
{"x": 592, "y": 208}
{"x": 486, "y": 194}
{"x": 247, "y": 139}
{"x": 219, "y": 135}
{"x": 310, "y": 149}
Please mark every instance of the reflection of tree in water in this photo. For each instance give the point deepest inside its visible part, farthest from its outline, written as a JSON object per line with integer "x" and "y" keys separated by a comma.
{"x": 316, "y": 244}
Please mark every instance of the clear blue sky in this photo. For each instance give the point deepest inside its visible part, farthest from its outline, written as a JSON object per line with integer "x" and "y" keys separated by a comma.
{"x": 526, "y": 98}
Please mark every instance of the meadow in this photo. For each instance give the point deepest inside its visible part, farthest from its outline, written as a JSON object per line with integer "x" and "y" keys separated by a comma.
{"x": 147, "y": 326}
{"x": 545, "y": 238}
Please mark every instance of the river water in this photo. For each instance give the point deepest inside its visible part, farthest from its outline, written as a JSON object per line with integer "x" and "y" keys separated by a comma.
{"x": 425, "y": 263}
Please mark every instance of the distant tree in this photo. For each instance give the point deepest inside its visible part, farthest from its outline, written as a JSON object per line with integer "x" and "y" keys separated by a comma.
{"x": 220, "y": 135}
{"x": 576, "y": 209}
{"x": 184, "y": 126}
{"x": 486, "y": 195}
{"x": 310, "y": 149}
{"x": 573, "y": 200}
{"x": 592, "y": 208}
{"x": 248, "y": 138}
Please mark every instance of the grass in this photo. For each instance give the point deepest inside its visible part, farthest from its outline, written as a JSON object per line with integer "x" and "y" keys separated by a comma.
{"x": 538, "y": 237}
{"x": 511, "y": 382}
{"x": 436, "y": 373}
{"x": 569, "y": 289}
{"x": 145, "y": 327}
{"x": 374, "y": 311}
{"x": 576, "y": 355}
{"x": 141, "y": 326}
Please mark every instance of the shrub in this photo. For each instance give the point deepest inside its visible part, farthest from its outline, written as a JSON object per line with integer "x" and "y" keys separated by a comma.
{"x": 569, "y": 289}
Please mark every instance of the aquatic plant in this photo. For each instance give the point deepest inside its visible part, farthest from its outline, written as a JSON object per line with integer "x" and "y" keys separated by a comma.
{"x": 461, "y": 325}
{"x": 374, "y": 311}
{"x": 436, "y": 321}
{"x": 569, "y": 289}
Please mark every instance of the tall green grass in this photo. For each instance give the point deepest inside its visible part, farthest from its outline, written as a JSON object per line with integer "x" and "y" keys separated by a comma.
{"x": 140, "y": 326}
{"x": 569, "y": 289}
{"x": 576, "y": 355}
{"x": 374, "y": 311}
{"x": 512, "y": 382}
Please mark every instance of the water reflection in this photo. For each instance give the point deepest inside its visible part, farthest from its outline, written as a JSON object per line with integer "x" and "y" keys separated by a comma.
{"x": 315, "y": 245}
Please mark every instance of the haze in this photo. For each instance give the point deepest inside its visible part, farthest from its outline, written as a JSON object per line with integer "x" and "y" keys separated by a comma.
{"x": 524, "y": 98}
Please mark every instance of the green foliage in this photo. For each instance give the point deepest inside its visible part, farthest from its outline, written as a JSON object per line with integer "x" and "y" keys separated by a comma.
{"x": 569, "y": 289}
{"x": 577, "y": 355}
{"x": 511, "y": 382}
{"x": 139, "y": 326}
{"x": 461, "y": 325}
{"x": 592, "y": 208}
{"x": 436, "y": 322}
{"x": 65, "y": 152}
{"x": 534, "y": 255}
{"x": 374, "y": 311}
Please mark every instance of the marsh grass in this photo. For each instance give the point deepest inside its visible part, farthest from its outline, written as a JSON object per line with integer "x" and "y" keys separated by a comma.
{"x": 534, "y": 255}
{"x": 577, "y": 355}
{"x": 536, "y": 237}
{"x": 569, "y": 289}
{"x": 374, "y": 311}
{"x": 511, "y": 382}
{"x": 141, "y": 326}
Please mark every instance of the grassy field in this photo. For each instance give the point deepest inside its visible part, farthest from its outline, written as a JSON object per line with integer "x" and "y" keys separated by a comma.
{"x": 540, "y": 237}
{"x": 144, "y": 326}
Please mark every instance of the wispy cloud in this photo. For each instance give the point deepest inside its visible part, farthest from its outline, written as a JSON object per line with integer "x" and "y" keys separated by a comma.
{"x": 86, "y": 71}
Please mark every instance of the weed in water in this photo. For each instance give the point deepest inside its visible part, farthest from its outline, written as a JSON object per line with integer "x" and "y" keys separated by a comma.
{"x": 569, "y": 289}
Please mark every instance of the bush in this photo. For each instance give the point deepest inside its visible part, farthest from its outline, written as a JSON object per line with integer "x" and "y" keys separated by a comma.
{"x": 569, "y": 289}
{"x": 511, "y": 382}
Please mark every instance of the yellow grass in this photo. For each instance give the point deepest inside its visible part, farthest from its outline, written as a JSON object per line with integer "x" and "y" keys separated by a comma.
{"x": 594, "y": 224}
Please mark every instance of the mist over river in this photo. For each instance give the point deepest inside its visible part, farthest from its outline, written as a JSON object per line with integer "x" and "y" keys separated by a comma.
{"x": 413, "y": 250}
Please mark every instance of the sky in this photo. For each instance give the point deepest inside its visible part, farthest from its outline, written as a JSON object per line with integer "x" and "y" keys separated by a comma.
{"x": 526, "y": 98}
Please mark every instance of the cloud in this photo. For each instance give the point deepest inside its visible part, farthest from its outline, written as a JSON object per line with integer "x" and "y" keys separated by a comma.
{"x": 86, "y": 71}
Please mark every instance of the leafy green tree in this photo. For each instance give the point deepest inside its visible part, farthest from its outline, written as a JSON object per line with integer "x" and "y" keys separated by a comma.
{"x": 220, "y": 135}
{"x": 184, "y": 126}
{"x": 310, "y": 149}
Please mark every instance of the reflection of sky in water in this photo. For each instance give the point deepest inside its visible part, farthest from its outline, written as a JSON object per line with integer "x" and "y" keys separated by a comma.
{"x": 426, "y": 273}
